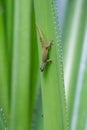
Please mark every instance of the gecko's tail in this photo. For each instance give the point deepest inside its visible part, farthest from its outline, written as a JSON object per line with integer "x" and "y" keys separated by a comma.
{"x": 41, "y": 35}
{"x": 39, "y": 30}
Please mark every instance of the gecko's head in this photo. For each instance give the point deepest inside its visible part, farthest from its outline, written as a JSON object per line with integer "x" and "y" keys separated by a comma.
{"x": 42, "y": 67}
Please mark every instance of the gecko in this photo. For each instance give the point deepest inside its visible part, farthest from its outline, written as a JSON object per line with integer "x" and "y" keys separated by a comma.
{"x": 45, "y": 50}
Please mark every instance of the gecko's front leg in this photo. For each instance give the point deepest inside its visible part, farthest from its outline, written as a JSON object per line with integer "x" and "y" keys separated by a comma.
{"x": 49, "y": 44}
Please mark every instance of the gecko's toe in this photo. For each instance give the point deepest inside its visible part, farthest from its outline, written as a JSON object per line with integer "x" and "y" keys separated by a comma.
{"x": 52, "y": 42}
{"x": 49, "y": 61}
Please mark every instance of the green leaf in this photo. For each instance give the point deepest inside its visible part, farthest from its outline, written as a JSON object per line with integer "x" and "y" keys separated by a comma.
{"x": 4, "y": 82}
{"x": 25, "y": 66}
{"x": 53, "y": 100}
{"x": 75, "y": 26}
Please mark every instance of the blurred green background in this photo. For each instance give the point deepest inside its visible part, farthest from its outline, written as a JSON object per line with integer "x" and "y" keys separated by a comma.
{"x": 56, "y": 98}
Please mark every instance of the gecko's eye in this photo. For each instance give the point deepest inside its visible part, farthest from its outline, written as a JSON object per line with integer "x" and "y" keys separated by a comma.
{"x": 42, "y": 69}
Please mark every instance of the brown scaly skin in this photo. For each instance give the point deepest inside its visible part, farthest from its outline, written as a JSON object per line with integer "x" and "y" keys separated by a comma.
{"x": 45, "y": 50}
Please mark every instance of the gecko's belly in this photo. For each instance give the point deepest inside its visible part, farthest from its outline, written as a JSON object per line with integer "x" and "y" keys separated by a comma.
{"x": 44, "y": 55}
